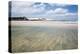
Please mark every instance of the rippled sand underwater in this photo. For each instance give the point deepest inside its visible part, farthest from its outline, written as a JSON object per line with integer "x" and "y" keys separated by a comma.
{"x": 43, "y": 38}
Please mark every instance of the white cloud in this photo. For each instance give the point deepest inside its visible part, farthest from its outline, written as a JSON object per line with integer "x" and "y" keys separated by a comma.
{"x": 60, "y": 11}
{"x": 50, "y": 12}
{"x": 28, "y": 9}
{"x": 25, "y": 8}
{"x": 61, "y": 5}
{"x": 19, "y": 7}
{"x": 67, "y": 14}
{"x": 21, "y": 4}
{"x": 57, "y": 11}
{"x": 39, "y": 5}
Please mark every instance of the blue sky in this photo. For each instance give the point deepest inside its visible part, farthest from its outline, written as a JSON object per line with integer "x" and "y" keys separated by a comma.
{"x": 44, "y": 10}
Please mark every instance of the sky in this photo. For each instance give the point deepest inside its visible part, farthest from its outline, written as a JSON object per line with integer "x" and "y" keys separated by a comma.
{"x": 52, "y": 11}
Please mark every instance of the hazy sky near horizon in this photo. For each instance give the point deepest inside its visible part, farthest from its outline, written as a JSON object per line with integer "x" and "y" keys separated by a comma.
{"x": 44, "y": 10}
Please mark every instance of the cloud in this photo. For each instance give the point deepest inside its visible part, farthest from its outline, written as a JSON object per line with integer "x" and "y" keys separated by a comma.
{"x": 30, "y": 9}
{"x": 61, "y": 14}
{"x": 61, "y": 5}
{"x": 57, "y": 11}
{"x": 60, "y": 11}
{"x": 21, "y": 4}
{"x": 18, "y": 7}
{"x": 41, "y": 5}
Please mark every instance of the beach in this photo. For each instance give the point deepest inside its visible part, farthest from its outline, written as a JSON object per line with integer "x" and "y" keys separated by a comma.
{"x": 45, "y": 23}
{"x": 29, "y": 36}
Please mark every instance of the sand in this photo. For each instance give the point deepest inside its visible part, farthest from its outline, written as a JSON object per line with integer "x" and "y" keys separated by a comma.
{"x": 45, "y": 23}
{"x": 29, "y": 36}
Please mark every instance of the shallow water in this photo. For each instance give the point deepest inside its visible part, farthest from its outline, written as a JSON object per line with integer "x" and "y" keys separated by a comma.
{"x": 41, "y": 38}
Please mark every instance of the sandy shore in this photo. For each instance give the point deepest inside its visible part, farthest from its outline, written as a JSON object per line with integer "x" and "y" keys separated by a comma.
{"x": 28, "y": 36}
{"x": 44, "y": 23}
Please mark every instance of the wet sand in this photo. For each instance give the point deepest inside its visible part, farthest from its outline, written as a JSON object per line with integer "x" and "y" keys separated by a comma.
{"x": 45, "y": 23}
{"x": 28, "y": 36}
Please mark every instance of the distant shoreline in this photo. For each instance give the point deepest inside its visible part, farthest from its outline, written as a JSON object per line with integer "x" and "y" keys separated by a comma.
{"x": 45, "y": 23}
